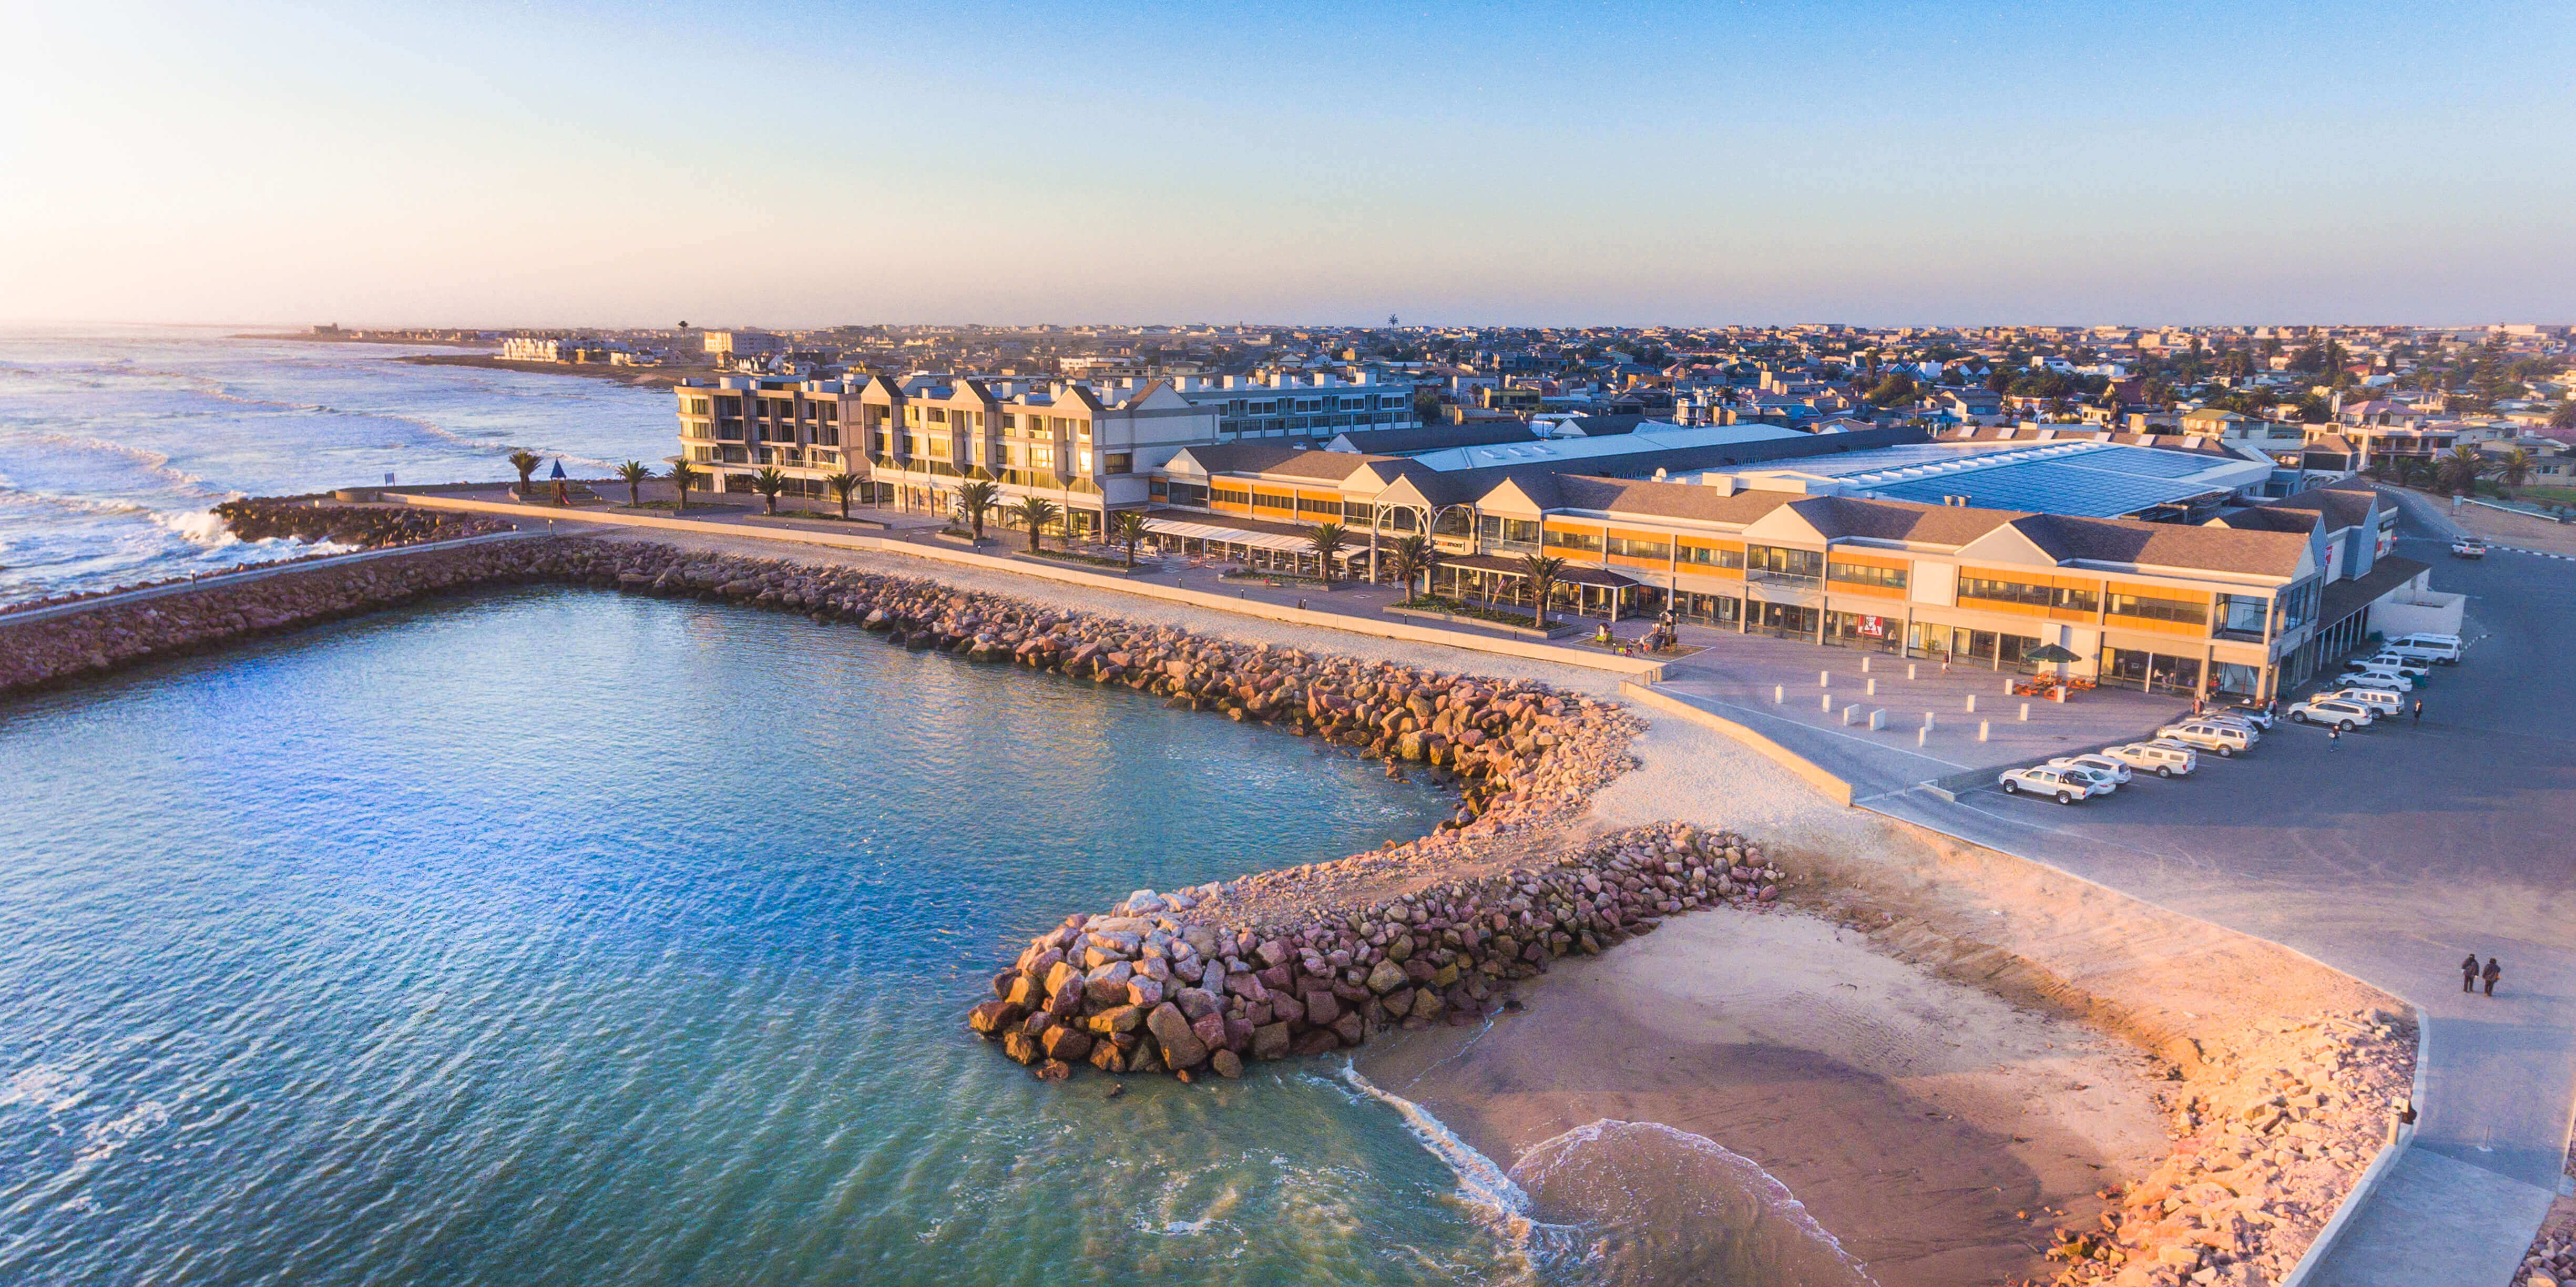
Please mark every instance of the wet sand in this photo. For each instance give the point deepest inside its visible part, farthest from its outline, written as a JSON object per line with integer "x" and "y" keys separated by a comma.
{"x": 1929, "y": 1127}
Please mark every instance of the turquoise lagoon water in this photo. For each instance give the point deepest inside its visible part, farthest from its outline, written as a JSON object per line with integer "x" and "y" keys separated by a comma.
{"x": 558, "y": 937}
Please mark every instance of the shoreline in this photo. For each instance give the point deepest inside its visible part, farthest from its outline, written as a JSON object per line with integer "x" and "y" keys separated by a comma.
{"x": 1856, "y": 866}
{"x": 632, "y": 376}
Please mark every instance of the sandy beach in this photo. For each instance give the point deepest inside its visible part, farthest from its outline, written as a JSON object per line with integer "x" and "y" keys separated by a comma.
{"x": 1921, "y": 1122}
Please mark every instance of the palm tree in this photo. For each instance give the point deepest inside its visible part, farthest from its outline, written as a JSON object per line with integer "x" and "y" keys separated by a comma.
{"x": 1127, "y": 528}
{"x": 681, "y": 476}
{"x": 2459, "y": 469}
{"x": 1327, "y": 540}
{"x": 1414, "y": 558}
{"x": 769, "y": 482}
{"x": 526, "y": 462}
{"x": 1542, "y": 571}
{"x": 842, "y": 484}
{"x": 635, "y": 472}
{"x": 1037, "y": 512}
{"x": 2513, "y": 469}
{"x": 975, "y": 500}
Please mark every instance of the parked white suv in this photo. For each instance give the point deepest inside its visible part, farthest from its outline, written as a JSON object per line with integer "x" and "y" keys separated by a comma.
{"x": 2226, "y": 739}
{"x": 2329, "y": 710}
{"x": 2166, "y": 760}
{"x": 2067, "y": 785}
{"x": 2378, "y": 676}
{"x": 2379, "y": 700}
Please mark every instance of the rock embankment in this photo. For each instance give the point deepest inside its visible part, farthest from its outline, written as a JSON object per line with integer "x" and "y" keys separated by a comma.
{"x": 1194, "y": 982}
{"x": 2268, "y": 1140}
{"x": 367, "y": 527}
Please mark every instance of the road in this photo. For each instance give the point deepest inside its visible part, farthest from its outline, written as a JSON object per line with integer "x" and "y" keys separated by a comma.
{"x": 2390, "y": 856}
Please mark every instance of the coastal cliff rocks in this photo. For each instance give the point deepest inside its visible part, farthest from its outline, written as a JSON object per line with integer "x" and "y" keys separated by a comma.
{"x": 1282, "y": 975}
{"x": 2267, "y": 1143}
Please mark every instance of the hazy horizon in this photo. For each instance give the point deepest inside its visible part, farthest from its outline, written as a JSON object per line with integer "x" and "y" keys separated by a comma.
{"x": 804, "y": 165}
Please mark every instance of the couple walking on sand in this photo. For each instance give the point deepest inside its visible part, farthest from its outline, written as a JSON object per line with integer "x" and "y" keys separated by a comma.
{"x": 2470, "y": 973}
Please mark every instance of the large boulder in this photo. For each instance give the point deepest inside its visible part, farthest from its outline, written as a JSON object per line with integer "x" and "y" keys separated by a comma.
{"x": 1182, "y": 1047}
{"x": 1125, "y": 1018}
{"x": 1322, "y": 1008}
{"x": 1070, "y": 1044}
{"x": 1270, "y": 1041}
{"x": 1227, "y": 1064}
{"x": 994, "y": 1017}
{"x": 1385, "y": 977}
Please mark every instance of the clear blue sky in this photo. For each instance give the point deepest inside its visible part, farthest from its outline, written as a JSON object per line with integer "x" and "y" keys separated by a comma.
{"x": 601, "y": 164}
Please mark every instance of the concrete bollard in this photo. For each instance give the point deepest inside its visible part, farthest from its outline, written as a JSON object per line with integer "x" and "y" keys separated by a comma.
{"x": 1824, "y": 679}
{"x": 1824, "y": 701}
{"x": 1779, "y": 693}
{"x": 1850, "y": 709}
{"x": 2025, "y": 712}
{"x": 1972, "y": 703}
{"x": 1923, "y": 735}
{"x": 1909, "y": 670}
{"x": 2008, "y": 683}
{"x": 2057, "y": 695}
{"x": 1869, "y": 687}
{"x": 1877, "y": 720}
{"x": 1983, "y": 729}
{"x": 1864, "y": 665}
{"x": 1927, "y": 721}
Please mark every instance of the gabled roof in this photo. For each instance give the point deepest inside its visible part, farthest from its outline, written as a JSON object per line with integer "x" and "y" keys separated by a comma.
{"x": 1396, "y": 442}
{"x": 2211, "y": 549}
{"x": 2342, "y": 505}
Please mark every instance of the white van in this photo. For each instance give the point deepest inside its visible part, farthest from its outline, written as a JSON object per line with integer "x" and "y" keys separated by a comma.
{"x": 2164, "y": 761}
{"x": 2378, "y": 699}
{"x": 2441, "y": 648}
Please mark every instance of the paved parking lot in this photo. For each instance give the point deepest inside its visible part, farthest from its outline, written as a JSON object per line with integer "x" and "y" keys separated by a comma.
{"x": 1740, "y": 676}
{"x": 2390, "y": 856}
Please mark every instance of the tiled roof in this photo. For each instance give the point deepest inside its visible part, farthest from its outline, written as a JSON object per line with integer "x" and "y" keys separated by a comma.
{"x": 2211, "y": 549}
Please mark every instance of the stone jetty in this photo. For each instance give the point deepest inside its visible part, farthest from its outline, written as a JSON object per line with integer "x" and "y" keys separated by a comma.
{"x": 366, "y": 527}
{"x": 1203, "y": 980}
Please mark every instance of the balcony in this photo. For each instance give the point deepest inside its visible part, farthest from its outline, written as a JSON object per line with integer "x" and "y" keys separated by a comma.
{"x": 1801, "y": 582}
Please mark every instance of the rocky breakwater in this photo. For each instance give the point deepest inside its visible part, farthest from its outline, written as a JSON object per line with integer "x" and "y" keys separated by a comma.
{"x": 115, "y": 634}
{"x": 2268, "y": 1141}
{"x": 1205, "y": 979}
{"x": 369, "y": 527}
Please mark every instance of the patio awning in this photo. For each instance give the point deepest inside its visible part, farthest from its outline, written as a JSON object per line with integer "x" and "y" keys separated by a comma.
{"x": 1574, "y": 574}
{"x": 1232, "y": 535}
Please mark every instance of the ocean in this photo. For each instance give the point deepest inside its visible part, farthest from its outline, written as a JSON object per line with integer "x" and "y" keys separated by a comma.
{"x": 115, "y": 442}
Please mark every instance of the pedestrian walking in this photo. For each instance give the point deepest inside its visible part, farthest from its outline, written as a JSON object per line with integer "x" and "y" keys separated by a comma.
{"x": 2469, "y": 973}
{"x": 2493, "y": 972}
{"x": 2334, "y": 739}
{"x": 2419, "y": 712}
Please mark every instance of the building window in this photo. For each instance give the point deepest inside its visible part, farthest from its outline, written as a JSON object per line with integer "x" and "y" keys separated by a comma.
{"x": 1118, "y": 462}
{"x": 1508, "y": 531}
{"x": 1866, "y": 574}
{"x": 1783, "y": 563}
{"x": 2077, "y": 598}
{"x": 1227, "y": 496}
{"x": 2241, "y": 616}
{"x": 1324, "y": 508}
{"x": 1264, "y": 500}
{"x": 1189, "y": 494}
{"x": 1560, "y": 539}
{"x": 1711, "y": 557}
{"x": 1994, "y": 591}
{"x": 2178, "y": 611}
{"x": 1631, "y": 548}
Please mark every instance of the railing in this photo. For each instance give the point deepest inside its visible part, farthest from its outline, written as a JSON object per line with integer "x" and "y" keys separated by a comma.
{"x": 1794, "y": 580}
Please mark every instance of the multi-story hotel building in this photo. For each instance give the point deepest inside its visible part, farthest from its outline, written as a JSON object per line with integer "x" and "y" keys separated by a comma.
{"x": 2156, "y": 567}
{"x": 2243, "y": 601}
{"x": 1090, "y": 446}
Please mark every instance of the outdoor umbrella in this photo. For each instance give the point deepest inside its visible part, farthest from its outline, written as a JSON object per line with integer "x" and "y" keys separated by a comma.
{"x": 2051, "y": 654}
